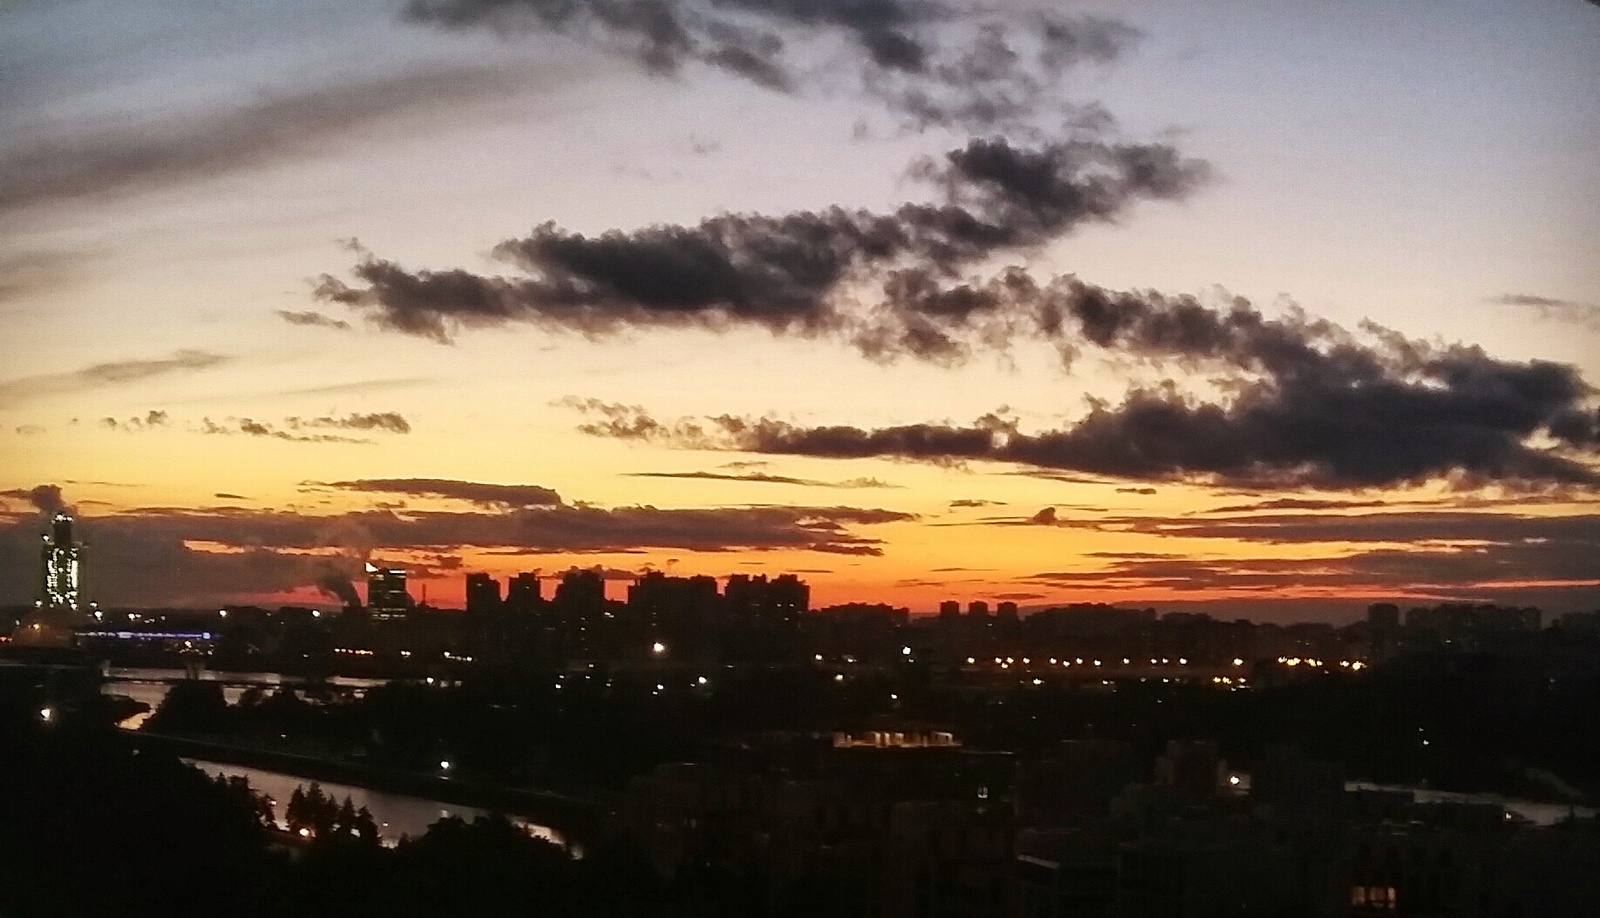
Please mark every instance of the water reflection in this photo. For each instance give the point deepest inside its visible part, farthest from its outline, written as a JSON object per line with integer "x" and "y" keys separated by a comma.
{"x": 1539, "y": 814}
{"x": 395, "y": 814}
{"x": 150, "y": 685}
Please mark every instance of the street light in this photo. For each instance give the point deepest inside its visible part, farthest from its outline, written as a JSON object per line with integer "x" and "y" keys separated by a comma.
{"x": 47, "y": 714}
{"x": 658, "y": 648}
{"x": 444, "y": 764}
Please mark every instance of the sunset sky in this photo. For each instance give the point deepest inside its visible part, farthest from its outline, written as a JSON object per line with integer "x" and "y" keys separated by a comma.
{"x": 1278, "y": 309}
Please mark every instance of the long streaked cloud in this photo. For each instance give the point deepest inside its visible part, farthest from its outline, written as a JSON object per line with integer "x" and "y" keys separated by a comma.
{"x": 386, "y": 421}
{"x": 1311, "y": 404}
{"x": 106, "y": 375}
{"x": 767, "y": 478}
{"x": 1585, "y": 314}
{"x": 1390, "y": 527}
{"x": 157, "y": 554}
{"x": 475, "y": 492}
{"x": 312, "y": 319}
{"x": 1440, "y": 555}
{"x": 25, "y": 273}
{"x": 303, "y": 429}
{"x": 115, "y": 159}
{"x": 1453, "y": 572}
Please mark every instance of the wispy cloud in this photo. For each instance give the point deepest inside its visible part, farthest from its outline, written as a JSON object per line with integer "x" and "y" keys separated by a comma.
{"x": 105, "y": 375}
{"x": 119, "y": 159}
{"x": 25, "y": 273}
{"x": 293, "y": 429}
{"x": 151, "y": 420}
{"x": 765, "y": 478}
{"x": 1586, "y": 314}
{"x": 483, "y": 494}
{"x": 312, "y": 319}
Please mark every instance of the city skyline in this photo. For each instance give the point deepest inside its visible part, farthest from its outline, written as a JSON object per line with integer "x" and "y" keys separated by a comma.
{"x": 1271, "y": 313}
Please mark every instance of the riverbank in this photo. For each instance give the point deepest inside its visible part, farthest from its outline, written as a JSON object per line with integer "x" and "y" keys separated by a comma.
{"x": 579, "y": 820}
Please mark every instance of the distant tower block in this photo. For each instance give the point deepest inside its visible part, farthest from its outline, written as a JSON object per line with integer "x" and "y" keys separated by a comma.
{"x": 61, "y": 563}
{"x": 56, "y": 614}
{"x": 387, "y": 599}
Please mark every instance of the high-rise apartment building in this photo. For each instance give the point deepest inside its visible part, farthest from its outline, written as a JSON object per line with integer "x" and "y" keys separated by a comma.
{"x": 483, "y": 594}
{"x": 523, "y": 593}
{"x": 61, "y": 565}
{"x": 387, "y": 599}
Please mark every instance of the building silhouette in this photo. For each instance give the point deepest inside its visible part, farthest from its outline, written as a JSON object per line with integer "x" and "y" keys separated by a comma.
{"x": 523, "y": 593}
{"x": 61, "y": 569}
{"x": 757, "y": 600}
{"x": 483, "y": 594}
{"x": 387, "y": 599}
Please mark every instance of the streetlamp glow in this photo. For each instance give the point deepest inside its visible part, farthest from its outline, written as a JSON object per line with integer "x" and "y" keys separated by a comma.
{"x": 658, "y": 648}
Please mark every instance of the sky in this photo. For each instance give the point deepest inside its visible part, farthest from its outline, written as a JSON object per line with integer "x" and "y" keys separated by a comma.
{"x": 1266, "y": 311}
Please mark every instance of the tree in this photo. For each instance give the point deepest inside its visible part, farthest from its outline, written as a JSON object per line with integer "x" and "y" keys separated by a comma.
{"x": 294, "y": 815}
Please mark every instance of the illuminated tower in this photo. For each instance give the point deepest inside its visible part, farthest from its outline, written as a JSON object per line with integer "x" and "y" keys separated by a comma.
{"x": 387, "y": 599}
{"x": 61, "y": 565}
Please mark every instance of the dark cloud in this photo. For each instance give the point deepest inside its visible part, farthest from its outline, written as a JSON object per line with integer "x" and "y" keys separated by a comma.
{"x": 475, "y": 492}
{"x": 45, "y": 498}
{"x": 165, "y": 555}
{"x": 927, "y": 63}
{"x": 765, "y": 478}
{"x": 28, "y": 430}
{"x": 1136, "y": 490}
{"x": 970, "y": 502}
{"x": 118, "y": 159}
{"x": 224, "y": 495}
{"x": 790, "y": 274}
{"x": 1311, "y": 405}
{"x": 312, "y": 318}
{"x": 103, "y": 375}
{"x": 387, "y": 421}
{"x": 1034, "y": 169}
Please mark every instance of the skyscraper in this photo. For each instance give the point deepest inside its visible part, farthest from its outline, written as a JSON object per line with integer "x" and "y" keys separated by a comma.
{"x": 483, "y": 594}
{"x": 522, "y": 593}
{"x": 61, "y": 565}
{"x": 387, "y": 599}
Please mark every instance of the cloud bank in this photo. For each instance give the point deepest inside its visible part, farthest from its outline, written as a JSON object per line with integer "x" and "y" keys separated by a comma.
{"x": 1312, "y": 405}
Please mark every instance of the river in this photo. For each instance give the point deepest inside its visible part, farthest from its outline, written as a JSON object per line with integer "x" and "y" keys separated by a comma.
{"x": 396, "y": 814}
{"x": 1539, "y": 814}
{"x": 150, "y": 686}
